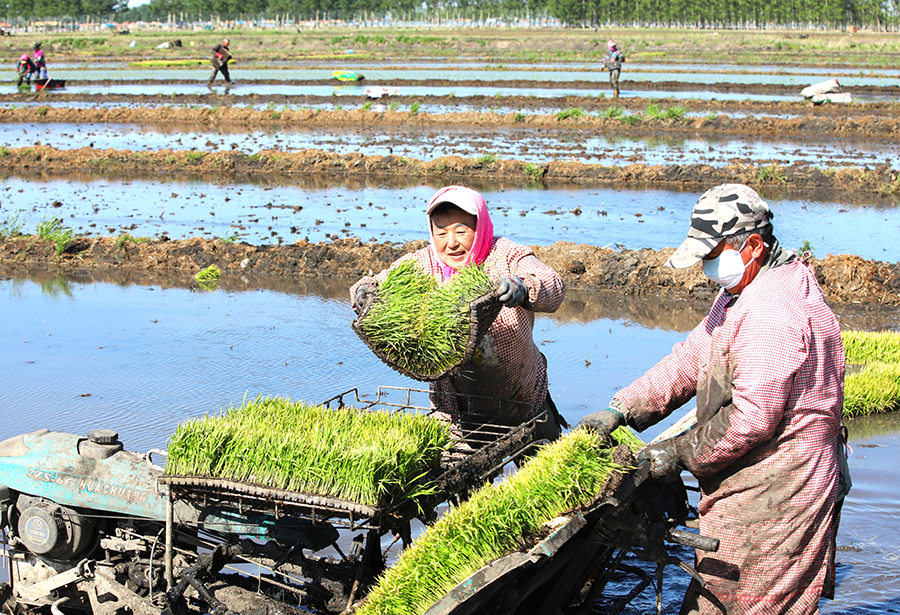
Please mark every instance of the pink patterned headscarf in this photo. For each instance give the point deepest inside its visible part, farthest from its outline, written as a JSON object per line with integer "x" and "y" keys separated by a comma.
{"x": 470, "y": 202}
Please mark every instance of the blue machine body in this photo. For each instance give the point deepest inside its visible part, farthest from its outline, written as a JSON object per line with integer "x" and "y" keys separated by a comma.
{"x": 52, "y": 465}
{"x": 48, "y": 464}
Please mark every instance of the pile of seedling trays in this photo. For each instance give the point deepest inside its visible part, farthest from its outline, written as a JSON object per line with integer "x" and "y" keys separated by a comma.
{"x": 479, "y": 449}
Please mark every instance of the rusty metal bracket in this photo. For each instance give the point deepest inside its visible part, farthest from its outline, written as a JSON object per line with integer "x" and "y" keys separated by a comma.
{"x": 33, "y": 593}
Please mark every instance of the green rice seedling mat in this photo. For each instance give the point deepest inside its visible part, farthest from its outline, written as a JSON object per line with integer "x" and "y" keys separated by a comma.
{"x": 427, "y": 330}
{"x": 864, "y": 347}
{"x": 495, "y": 521}
{"x": 347, "y": 458}
{"x": 872, "y": 378}
{"x": 202, "y": 454}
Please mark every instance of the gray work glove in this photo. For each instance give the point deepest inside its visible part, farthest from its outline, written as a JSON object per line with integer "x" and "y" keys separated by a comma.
{"x": 603, "y": 422}
{"x": 363, "y": 295}
{"x": 512, "y": 292}
{"x": 665, "y": 463}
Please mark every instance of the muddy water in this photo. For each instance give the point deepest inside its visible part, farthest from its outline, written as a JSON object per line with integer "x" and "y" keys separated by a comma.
{"x": 272, "y": 213}
{"x": 584, "y": 72}
{"x": 527, "y": 145}
{"x": 245, "y": 87}
{"x": 109, "y": 351}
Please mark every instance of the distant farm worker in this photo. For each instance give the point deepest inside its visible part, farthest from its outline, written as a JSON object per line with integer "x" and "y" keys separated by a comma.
{"x": 221, "y": 56}
{"x": 508, "y": 364}
{"x": 612, "y": 61}
{"x": 767, "y": 368}
{"x": 25, "y": 69}
{"x": 40, "y": 62}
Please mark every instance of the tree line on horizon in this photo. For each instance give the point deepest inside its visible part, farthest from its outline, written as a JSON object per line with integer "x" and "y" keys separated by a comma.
{"x": 757, "y": 14}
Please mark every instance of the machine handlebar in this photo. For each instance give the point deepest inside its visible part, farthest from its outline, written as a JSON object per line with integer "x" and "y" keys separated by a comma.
{"x": 696, "y": 541}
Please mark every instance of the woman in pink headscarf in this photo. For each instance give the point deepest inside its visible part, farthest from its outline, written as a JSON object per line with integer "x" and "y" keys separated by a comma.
{"x": 509, "y": 366}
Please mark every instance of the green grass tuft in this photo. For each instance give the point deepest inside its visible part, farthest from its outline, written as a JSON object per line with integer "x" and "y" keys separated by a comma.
{"x": 368, "y": 457}
{"x": 612, "y": 112}
{"x": 12, "y": 225}
{"x": 493, "y": 522}
{"x": 571, "y": 112}
{"x": 124, "y": 238}
{"x": 55, "y": 231}
{"x": 487, "y": 158}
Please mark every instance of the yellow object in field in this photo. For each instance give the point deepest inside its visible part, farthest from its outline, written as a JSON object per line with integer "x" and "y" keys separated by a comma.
{"x": 347, "y": 75}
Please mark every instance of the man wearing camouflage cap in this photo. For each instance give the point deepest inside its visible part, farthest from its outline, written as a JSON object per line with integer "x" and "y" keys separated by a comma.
{"x": 767, "y": 367}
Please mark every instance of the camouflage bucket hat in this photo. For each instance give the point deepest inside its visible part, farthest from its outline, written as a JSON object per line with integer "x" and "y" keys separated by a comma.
{"x": 722, "y": 211}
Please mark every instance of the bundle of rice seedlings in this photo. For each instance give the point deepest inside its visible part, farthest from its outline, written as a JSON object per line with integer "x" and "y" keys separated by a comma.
{"x": 208, "y": 278}
{"x": 420, "y": 325}
{"x": 493, "y": 522}
{"x": 368, "y": 457}
{"x": 864, "y": 347}
{"x": 875, "y": 388}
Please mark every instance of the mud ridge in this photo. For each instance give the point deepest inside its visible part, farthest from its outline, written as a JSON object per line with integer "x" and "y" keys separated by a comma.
{"x": 237, "y": 166}
{"x": 589, "y": 102}
{"x": 845, "y": 279}
{"x": 866, "y": 127}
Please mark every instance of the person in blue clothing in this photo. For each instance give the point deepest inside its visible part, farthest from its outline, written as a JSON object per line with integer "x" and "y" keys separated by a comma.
{"x": 613, "y": 63}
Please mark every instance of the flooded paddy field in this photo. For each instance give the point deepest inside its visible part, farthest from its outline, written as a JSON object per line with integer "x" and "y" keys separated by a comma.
{"x": 638, "y": 90}
{"x": 129, "y": 342}
{"x": 462, "y": 79}
{"x": 530, "y": 145}
{"x": 138, "y": 354}
{"x": 317, "y": 210}
{"x": 451, "y": 71}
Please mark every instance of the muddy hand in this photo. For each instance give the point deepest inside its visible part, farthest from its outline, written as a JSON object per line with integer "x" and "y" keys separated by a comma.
{"x": 512, "y": 292}
{"x": 665, "y": 463}
{"x": 603, "y": 422}
{"x": 363, "y": 296}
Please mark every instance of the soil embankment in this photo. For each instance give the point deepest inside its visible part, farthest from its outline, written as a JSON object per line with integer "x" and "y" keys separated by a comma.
{"x": 277, "y": 165}
{"x": 788, "y": 120}
{"x": 845, "y": 279}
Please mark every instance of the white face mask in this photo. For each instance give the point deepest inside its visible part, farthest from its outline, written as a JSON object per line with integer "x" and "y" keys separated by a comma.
{"x": 727, "y": 269}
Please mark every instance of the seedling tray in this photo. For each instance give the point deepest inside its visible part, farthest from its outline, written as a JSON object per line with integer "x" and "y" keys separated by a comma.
{"x": 482, "y": 312}
{"x": 478, "y": 451}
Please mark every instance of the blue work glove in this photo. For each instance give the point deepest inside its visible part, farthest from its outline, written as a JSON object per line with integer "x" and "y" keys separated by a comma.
{"x": 363, "y": 295}
{"x": 603, "y": 422}
{"x": 665, "y": 463}
{"x": 512, "y": 292}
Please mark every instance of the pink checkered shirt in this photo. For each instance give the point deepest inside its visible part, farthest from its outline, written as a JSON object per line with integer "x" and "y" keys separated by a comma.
{"x": 768, "y": 483}
{"x": 511, "y": 367}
